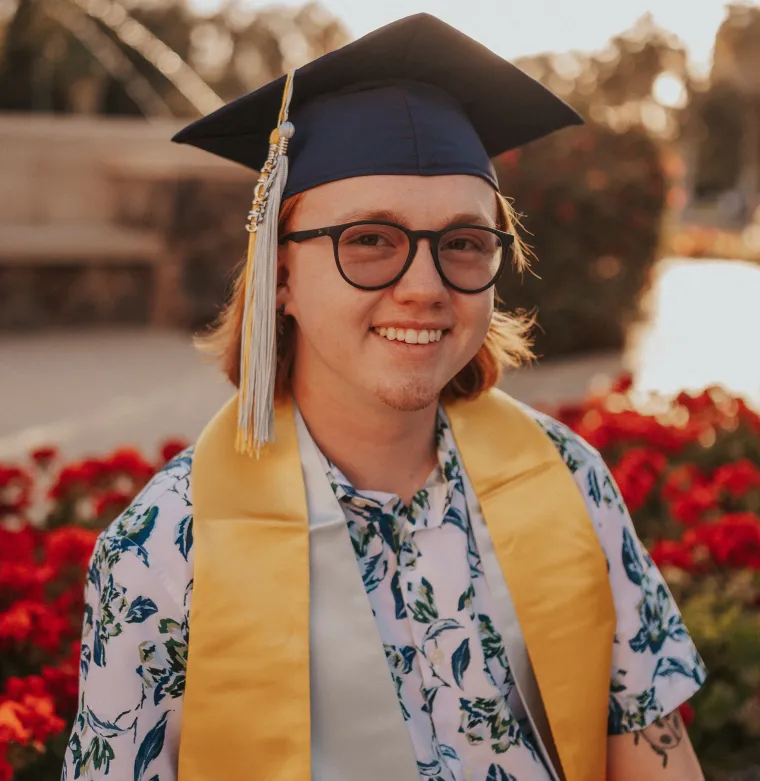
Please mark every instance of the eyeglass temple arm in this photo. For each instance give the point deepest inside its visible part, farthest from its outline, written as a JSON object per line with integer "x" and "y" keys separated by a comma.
{"x": 298, "y": 236}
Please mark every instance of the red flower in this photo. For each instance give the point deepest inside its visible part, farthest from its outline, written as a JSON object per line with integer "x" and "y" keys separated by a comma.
{"x": 130, "y": 462}
{"x": 687, "y": 713}
{"x": 734, "y": 541}
{"x": 29, "y": 705}
{"x": 69, "y": 546}
{"x": 690, "y": 495}
{"x": 696, "y": 404}
{"x": 748, "y": 416}
{"x": 570, "y": 414}
{"x": 672, "y": 553}
{"x": 737, "y": 478}
{"x": 623, "y": 383}
{"x": 636, "y": 473}
{"x": 76, "y": 480}
{"x": 42, "y": 456}
{"x": 15, "y": 490}
{"x": 18, "y": 546}
{"x": 63, "y": 681}
{"x": 24, "y": 581}
{"x": 172, "y": 448}
{"x": 111, "y": 503}
{"x": 12, "y": 729}
{"x": 681, "y": 480}
{"x": 691, "y": 508}
{"x": 602, "y": 429}
{"x": 32, "y": 622}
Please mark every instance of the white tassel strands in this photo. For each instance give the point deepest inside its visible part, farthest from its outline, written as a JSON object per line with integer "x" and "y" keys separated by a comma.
{"x": 258, "y": 357}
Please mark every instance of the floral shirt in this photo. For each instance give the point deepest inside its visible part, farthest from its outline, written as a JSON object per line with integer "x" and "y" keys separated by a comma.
{"x": 423, "y": 576}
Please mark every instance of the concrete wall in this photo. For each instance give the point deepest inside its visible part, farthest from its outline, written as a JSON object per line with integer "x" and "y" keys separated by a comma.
{"x": 106, "y": 221}
{"x": 66, "y": 169}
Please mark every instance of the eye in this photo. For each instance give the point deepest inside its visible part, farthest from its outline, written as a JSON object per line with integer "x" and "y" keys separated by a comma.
{"x": 369, "y": 240}
{"x": 461, "y": 243}
{"x": 373, "y": 237}
{"x": 469, "y": 241}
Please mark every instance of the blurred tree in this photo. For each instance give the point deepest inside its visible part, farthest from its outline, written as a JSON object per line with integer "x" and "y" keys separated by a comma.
{"x": 735, "y": 83}
{"x": 592, "y": 201}
{"x": 640, "y": 79}
{"x": 717, "y": 131}
{"x": 48, "y": 63}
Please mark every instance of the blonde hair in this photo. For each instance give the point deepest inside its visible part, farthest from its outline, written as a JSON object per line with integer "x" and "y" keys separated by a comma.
{"x": 507, "y": 343}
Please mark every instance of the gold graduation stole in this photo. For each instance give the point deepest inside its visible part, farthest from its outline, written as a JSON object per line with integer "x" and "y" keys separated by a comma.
{"x": 247, "y": 701}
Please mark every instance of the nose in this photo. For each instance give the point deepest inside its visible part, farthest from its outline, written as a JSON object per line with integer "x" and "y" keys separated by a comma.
{"x": 421, "y": 282}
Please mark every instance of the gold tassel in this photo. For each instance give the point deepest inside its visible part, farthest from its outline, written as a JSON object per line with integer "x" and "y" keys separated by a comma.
{"x": 258, "y": 349}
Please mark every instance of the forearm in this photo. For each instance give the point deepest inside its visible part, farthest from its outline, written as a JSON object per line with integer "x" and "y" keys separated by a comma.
{"x": 661, "y": 752}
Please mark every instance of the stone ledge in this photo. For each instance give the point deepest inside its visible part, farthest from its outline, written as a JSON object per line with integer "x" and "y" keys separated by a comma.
{"x": 77, "y": 245}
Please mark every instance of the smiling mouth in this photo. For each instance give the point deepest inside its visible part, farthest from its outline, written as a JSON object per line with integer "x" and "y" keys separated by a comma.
{"x": 410, "y": 335}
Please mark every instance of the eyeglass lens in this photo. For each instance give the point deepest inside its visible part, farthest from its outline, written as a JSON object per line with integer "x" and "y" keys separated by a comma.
{"x": 373, "y": 255}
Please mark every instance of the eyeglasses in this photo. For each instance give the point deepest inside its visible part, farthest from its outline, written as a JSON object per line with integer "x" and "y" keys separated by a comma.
{"x": 374, "y": 254}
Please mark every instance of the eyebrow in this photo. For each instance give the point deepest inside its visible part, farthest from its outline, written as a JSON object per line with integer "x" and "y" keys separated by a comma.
{"x": 461, "y": 218}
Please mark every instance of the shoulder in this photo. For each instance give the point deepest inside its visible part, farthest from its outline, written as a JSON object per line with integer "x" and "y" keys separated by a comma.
{"x": 592, "y": 476}
{"x": 579, "y": 457}
{"x": 153, "y": 537}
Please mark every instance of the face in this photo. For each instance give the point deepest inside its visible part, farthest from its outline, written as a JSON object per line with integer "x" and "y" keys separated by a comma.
{"x": 340, "y": 346}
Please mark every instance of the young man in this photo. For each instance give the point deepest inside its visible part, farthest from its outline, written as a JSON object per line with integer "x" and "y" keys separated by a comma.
{"x": 396, "y": 572}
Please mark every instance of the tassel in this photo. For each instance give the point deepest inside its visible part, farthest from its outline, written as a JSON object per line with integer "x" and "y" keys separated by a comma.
{"x": 258, "y": 350}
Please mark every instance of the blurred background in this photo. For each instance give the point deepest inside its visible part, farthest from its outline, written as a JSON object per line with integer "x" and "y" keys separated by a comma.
{"x": 116, "y": 246}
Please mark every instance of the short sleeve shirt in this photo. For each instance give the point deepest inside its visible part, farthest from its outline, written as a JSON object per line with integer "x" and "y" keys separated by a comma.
{"x": 423, "y": 575}
{"x": 424, "y": 579}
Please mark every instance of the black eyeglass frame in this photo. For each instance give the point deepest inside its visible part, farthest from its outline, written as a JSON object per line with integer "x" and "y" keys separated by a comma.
{"x": 336, "y": 231}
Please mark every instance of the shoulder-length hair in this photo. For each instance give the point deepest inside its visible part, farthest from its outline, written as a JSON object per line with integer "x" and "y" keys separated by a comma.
{"x": 507, "y": 343}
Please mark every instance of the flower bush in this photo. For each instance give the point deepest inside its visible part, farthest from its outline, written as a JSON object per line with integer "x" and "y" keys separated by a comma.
{"x": 689, "y": 469}
{"x": 50, "y": 516}
{"x": 593, "y": 202}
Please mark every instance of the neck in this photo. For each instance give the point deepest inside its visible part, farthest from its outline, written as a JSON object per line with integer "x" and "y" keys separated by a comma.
{"x": 375, "y": 446}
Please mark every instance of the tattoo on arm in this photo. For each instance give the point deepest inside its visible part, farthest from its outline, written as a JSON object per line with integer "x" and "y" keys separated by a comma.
{"x": 662, "y": 736}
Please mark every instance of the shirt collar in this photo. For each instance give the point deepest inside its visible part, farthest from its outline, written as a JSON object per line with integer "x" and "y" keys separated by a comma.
{"x": 440, "y": 485}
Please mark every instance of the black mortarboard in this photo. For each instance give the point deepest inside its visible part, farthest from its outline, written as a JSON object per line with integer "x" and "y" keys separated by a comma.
{"x": 414, "y": 97}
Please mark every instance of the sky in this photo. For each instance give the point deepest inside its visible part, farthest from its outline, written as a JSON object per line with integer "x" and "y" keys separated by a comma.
{"x": 513, "y": 28}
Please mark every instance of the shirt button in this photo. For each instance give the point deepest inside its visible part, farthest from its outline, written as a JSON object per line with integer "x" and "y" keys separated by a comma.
{"x": 468, "y": 773}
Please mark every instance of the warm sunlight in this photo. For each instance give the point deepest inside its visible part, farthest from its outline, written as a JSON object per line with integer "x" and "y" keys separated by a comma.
{"x": 705, "y": 329}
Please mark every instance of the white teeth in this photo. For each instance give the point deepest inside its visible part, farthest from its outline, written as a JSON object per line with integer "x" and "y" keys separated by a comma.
{"x": 410, "y": 335}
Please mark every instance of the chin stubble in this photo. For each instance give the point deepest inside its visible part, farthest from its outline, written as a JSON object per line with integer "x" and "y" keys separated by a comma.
{"x": 411, "y": 397}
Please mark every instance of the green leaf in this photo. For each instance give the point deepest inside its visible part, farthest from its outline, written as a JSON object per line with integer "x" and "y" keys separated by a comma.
{"x": 594, "y": 491}
{"x": 632, "y": 563}
{"x": 460, "y": 661}
{"x": 150, "y": 748}
{"x": 184, "y": 536}
{"x": 141, "y": 609}
{"x": 465, "y": 599}
{"x": 438, "y": 627}
{"x": 497, "y": 773}
{"x": 398, "y": 598}
{"x": 424, "y": 610}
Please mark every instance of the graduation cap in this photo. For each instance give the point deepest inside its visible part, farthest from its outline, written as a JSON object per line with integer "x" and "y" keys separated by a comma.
{"x": 414, "y": 97}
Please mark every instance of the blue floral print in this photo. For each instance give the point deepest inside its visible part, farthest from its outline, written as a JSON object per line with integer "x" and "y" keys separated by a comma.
{"x": 422, "y": 573}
